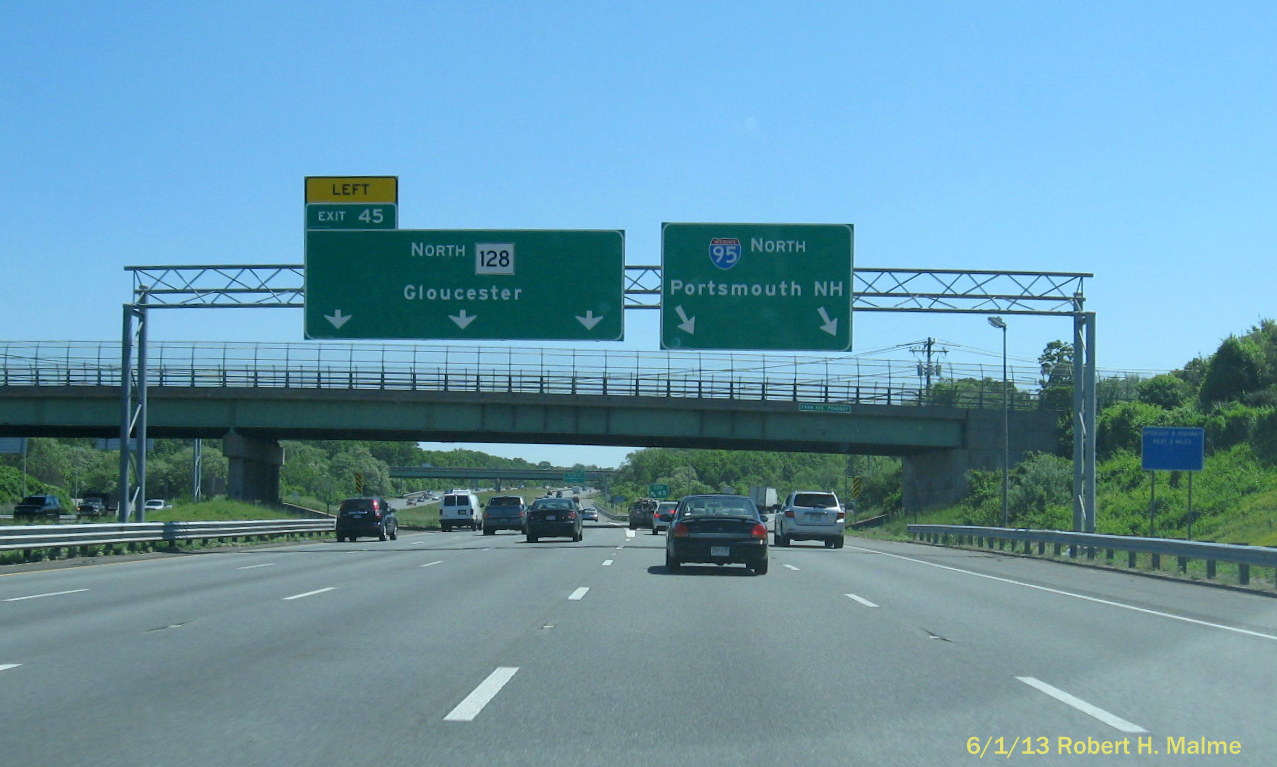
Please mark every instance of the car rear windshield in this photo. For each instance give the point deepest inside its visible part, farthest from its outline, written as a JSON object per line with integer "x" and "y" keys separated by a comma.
{"x": 553, "y": 503}
{"x": 816, "y": 500}
{"x": 358, "y": 504}
{"x": 720, "y": 507}
{"x": 456, "y": 500}
{"x": 36, "y": 499}
{"x": 506, "y": 500}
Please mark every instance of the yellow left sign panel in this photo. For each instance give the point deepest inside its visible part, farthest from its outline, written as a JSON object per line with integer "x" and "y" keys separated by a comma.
{"x": 352, "y": 189}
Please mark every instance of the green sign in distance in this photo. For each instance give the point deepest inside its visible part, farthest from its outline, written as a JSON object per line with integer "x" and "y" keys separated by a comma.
{"x": 658, "y": 491}
{"x": 756, "y": 286}
{"x": 465, "y": 284}
{"x": 357, "y": 215}
{"x": 575, "y": 477}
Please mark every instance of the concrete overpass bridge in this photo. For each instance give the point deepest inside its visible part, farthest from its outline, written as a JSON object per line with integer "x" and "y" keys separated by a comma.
{"x": 253, "y": 395}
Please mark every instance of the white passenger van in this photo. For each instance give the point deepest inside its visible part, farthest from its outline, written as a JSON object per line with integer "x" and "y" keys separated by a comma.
{"x": 459, "y": 508}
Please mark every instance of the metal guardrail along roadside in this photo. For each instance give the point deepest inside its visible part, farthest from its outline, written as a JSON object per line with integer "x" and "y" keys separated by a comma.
{"x": 1243, "y": 556}
{"x": 19, "y": 537}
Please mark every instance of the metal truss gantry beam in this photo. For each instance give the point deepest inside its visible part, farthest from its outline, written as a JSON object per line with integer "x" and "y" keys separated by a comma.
{"x": 953, "y": 291}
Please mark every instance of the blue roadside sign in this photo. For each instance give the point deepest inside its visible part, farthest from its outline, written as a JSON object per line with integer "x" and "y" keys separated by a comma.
{"x": 1173, "y": 448}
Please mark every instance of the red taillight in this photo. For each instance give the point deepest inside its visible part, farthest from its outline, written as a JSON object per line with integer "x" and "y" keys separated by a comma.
{"x": 789, "y": 513}
{"x": 759, "y": 531}
{"x": 842, "y": 515}
{"x": 571, "y": 515}
{"x": 681, "y": 530}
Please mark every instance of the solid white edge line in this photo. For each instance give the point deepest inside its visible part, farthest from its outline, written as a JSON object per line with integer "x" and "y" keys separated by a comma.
{"x": 7, "y": 666}
{"x": 469, "y": 708}
{"x": 254, "y": 567}
{"x": 1096, "y": 600}
{"x": 579, "y": 594}
{"x": 42, "y": 596}
{"x": 310, "y": 593}
{"x": 861, "y": 600}
{"x": 1111, "y": 720}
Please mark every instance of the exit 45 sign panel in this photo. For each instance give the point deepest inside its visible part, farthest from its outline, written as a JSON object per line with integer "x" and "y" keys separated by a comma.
{"x": 465, "y": 284}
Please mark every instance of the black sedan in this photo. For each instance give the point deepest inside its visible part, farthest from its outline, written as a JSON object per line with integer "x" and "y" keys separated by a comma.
{"x": 717, "y": 529}
{"x": 554, "y": 517}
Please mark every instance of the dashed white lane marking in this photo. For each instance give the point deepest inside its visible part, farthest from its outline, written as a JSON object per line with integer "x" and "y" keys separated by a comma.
{"x": 42, "y": 596}
{"x": 607, "y": 563}
{"x": 254, "y": 567}
{"x": 791, "y": 567}
{"x": 310, "y": 593}
{"x": 579, "y": 594}
{"x": 469, "y": 708}
{"x": 1096, "y": 600}
{"x": 1111, "y": 720}
{"x": 629, "y": 533}
{"x": 431, "y": 564}
{"x": 7, "y": 666}
{"x": 861, "y": 600}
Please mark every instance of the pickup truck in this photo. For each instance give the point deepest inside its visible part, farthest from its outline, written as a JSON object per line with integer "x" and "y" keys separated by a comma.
{"x": 95, "y": 505}
{"x": 36, "y": 506}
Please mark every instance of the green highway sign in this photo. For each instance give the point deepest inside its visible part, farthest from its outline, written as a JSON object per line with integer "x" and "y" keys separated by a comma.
{"x": 658, "y": 491}
{"x": 352, "y": 215}
{"x": 756, "y": 286}
{"x": 575, "y": 477}
{"x": 821, "y": 407}
{"x": 477, "y": 284}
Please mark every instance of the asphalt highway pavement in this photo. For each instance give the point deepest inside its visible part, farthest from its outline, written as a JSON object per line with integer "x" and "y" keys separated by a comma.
{"x": 458, "y": 648}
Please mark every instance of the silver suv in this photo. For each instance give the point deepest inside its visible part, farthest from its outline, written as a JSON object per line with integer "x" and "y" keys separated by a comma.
{"x": 811, "y": 515}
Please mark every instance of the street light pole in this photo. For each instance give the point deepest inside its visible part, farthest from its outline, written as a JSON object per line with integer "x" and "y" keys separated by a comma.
{"x": 1001, "y": 324}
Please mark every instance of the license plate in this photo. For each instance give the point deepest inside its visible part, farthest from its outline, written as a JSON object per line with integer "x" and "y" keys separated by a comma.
{"x": 551, "y": 518}
{"x": 720, "y": 551}
{"x": 815, "y": 518}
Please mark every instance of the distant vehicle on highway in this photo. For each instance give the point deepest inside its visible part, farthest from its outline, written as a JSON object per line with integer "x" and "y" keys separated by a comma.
{"x": 157, "y": 504}
{"x": 717, "y": 529}
{"x": 95, "y": 505}
{"x": 459, "y": 509}
{"x": 38, "y": 506}
{"x": 554, "y": 517}
{"x": 662, "y": 515}
{"x": 811, "y": 515}
{"x": 641, "y": 513}
{"x": 590, "y": 514}
{"x": 367, "y": 517}
{"x": 504, "y": 512}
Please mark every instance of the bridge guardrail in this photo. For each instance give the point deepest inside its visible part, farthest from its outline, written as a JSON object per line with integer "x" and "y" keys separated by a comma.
{"x": 1244, "y": 557}
{"x": 19, "y": 537}
{"x": 418, "y": 367}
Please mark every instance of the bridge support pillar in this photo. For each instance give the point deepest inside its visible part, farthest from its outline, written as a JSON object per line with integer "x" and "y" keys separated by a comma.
{"x": 253, "y": 468}
{"x": 934, "y": 480}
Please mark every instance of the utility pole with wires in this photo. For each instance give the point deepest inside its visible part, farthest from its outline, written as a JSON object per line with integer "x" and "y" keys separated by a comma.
{"x": 928, "y": 368}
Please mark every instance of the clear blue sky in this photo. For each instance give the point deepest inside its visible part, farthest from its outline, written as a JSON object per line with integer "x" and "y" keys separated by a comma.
{"x": 1134, "y": 140}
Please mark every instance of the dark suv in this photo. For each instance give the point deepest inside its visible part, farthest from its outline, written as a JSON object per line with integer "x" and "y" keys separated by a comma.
{"x": 504, "y": 512}
{"x": 38, "y": 506}
{"x": 366, "y": 517}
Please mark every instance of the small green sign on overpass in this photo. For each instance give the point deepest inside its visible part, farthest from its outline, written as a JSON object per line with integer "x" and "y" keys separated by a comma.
{"x": 564, "y": 285}
{"x": 756, "y": 286}
{"x": 574, "y": 477}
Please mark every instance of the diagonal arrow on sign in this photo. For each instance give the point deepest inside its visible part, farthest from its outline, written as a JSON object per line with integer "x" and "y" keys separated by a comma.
{"x": 687, "y": 325}
{"x": 337, "y": 318}
{"x": 830, "y": 326}
{"x": 589, "y": 320}
{"x": 462, "y": 319}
